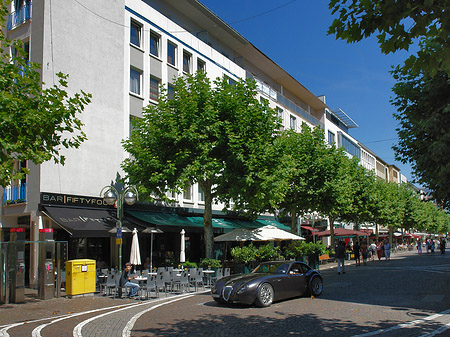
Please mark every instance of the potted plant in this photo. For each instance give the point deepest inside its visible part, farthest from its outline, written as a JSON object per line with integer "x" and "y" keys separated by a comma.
{"x": 268, "y": 253}
{"x": 242, "y": 257}
{"x": 211, "y": 264}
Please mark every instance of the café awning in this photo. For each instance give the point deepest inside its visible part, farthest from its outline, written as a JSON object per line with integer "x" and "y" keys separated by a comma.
{"x": 83, "y": 222}
{"x": 343, "y": 232}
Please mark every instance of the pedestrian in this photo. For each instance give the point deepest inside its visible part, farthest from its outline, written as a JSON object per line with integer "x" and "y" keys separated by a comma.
{"x": 125, "y": 280}
{"x": 387, "y": 250}
{"x": 432, "y": 246}
{"x": 427, "y": 245}
{"x": 442, "y": 246}
{"x": 373, "y": 249}
{"x": 364, "y": 253}
{"x": 340, "y": 257}
{"x": 379, "y": 250}
{"x": 419, "y": 247}
{"x": 356, "y": 250}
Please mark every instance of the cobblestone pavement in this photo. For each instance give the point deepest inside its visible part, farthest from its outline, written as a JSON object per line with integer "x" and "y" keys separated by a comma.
{"x": 407, "y": 296}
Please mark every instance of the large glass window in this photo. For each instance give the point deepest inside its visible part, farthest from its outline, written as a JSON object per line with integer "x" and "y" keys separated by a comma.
{"x": 350, "y": 147}
{"x": 331, "y": 137}
{"x": 171, "y": 53}
{"x": 187, "y": 193}
{"x": 154, "y": 88}
{"x": 201, "y": 194}
{"x": 293, "y": 122}
{"x": 170, "y": 91}
{"x": 201, "y": 65}
{"x": 135, "y": 81}
{"x": 154, "y": 44}
{"x": 135, "y": 33}
{"x": 187, "y": 62}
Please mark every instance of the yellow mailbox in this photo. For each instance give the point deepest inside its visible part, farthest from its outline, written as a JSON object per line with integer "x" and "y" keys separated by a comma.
{"x": 80, "y": 277}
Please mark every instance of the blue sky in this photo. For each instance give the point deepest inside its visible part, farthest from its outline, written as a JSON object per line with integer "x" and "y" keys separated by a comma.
{"x": 353, "y": 77}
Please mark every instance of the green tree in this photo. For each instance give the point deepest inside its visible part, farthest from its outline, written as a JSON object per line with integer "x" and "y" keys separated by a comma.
{"x": 422, "y": 81}
{"x": 217, "y": 136}
{"x": 335, "y": 200}
{"x": 398, "y": 25}
{"x": 36, "y": 121}
{"x": 304, "y": 156}
{"x": 424, "y": 138}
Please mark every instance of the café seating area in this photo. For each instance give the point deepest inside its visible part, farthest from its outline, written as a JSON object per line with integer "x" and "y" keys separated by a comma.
{"x": 161, "y": 280}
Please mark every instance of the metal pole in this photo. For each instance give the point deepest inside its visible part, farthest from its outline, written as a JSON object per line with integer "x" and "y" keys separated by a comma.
{"x": 119, "y": 224}
{"x": 151, "y": 252}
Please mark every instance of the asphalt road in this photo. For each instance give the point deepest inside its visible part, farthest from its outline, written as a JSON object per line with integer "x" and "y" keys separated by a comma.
{"x": 407, "y": 296}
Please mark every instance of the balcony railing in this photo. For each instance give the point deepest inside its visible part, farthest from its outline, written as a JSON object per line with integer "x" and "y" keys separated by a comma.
{"x": 20, "y": 16}
{"x": 286, "y": 102}
{"x": 15, "y": 194}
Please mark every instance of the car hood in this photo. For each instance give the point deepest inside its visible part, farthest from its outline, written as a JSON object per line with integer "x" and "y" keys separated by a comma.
{"x": 242, "y": 278}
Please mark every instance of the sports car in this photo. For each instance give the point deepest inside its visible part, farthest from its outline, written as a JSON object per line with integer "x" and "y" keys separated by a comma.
{"x": 267, "y": 283}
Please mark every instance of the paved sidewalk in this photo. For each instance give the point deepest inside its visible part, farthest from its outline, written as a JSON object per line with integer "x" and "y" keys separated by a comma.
{"x": 35, "y": 308}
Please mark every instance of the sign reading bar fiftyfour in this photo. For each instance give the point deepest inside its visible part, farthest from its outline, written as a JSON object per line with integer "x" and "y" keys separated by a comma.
{"x": 72, "y": 200}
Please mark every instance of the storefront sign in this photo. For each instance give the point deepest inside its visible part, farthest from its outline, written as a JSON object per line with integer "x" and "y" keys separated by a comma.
{"x": 72, "y": 200}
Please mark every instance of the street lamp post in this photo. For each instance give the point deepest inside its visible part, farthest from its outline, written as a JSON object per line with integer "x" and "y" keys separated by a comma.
{"x": 111, "y": 196}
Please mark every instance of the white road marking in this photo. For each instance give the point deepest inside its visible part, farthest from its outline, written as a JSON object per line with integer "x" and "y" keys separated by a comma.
{"x": 406, "y": 325}
{"x": 127, "y": 330}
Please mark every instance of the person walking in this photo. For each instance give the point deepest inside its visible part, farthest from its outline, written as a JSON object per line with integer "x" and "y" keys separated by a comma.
{"x": 356, "y": 251}
{"x": 340, "y": 257}
{"x": 442, "y": 246}
{"x": 125, "y": 280}
{"x": 419, "y": 247}
{"x": 379, "y": 250}
{"x": 364, "y": 253}
{"x": 373, "y": 250}
{"x": 387, "y": 250}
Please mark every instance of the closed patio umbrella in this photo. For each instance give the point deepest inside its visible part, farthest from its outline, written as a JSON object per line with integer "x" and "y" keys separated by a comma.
{"x": 135, "y": 255}
{"x": 183, "y": 247}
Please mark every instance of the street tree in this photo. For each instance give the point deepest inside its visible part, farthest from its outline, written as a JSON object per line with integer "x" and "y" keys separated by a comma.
{"x": 304, "y": 155}
{"x": 422, "y": 81}
{"x": 398, "y": 25}
{"x": 335, "y": 200}
{"x": 36, "y": 120}
{"x": 217, "y": 135}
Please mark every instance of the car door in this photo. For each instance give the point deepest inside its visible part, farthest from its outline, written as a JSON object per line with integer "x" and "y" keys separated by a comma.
{"x": 295, "y": 282}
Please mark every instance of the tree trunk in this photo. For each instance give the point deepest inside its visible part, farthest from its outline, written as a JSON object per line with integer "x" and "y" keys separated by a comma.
{"x": 207, "y": 222}
{"x": 293, "y": 221}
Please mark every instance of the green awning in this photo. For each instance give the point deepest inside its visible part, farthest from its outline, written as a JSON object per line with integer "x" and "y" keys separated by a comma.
{"x": 172, "y": 219}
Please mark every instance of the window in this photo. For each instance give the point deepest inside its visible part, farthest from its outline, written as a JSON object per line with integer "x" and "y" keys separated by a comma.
{"x": 331, "y": 137}
{"x": 135, "y": 33}
{"x": 201, "y": 194}
{"x": 171, "y": 53}
{"x": 154, "y": 88}
{"x": 154, "y": 44}
{"x": 293, "y": 122}
{"x": 279, "y": 114}
{"x": 201, "y": 65}
{"x": 349, "y": 146}
{"x": 170, "y": 91}
{"x": 187, "y": 193}
{"x": 135, "y": 81}
{"x": 187, "y": 62}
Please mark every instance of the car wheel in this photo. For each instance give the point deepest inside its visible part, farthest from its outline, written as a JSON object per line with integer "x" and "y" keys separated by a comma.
{"x": 265, "y": 295}
{"x": 316, "y": 286}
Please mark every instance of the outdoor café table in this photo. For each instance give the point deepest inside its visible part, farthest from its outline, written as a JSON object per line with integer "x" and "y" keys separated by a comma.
{"x": 208, "y": 274}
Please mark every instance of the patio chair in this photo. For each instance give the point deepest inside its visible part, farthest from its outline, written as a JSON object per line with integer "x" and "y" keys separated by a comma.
{"x": 226, "y": 272}
{"x": 192, "y": 275}
{"x": 175, "y": 278}
{"x": 219, "y": 274}
{"x": 150, "y": 286}
{"x": 161, "y": 284}
{"x": 184, "y": 281}
{"x": 199, "y": 278}
{"x": 109, "y": 285}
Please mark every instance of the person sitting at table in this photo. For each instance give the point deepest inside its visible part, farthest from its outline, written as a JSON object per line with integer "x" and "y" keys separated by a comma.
{"x": 125, "y": 280}
{"x": 147, "y": 263}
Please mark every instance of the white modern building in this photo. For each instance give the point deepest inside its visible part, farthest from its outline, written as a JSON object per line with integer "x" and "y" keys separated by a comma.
{"x": 123, "y": 52}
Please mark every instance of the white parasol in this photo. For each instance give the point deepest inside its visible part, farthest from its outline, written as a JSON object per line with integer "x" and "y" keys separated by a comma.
{"x": 135, "y": 255}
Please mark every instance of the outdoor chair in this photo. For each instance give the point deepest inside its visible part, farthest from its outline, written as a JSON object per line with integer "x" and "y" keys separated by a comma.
{"x": 219, "y": 274}
{"x": 199, "y": 278}
{"x": 175, "y": 278}
{"x": 160, "y": 270}
{"x": 145, "y": 273}
{"x": 150, "y": 286}
{"x": 192, "y": 275}
{"x": 109, "y": 285}
{"x": 183, "y": 283}
{"x": 118, "y": 290}
{"x": 161, "y": 284}
{"x": 226, "y": 272}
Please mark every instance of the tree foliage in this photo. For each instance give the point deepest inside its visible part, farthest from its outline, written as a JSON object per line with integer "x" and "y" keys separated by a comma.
{"x": 36, "y": 121}
{"x": 398, "y": 24}
{"x": 219, "y": 136}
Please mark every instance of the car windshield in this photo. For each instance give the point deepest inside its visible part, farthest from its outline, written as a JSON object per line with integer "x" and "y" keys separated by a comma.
{"x": 272, "y": 268}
